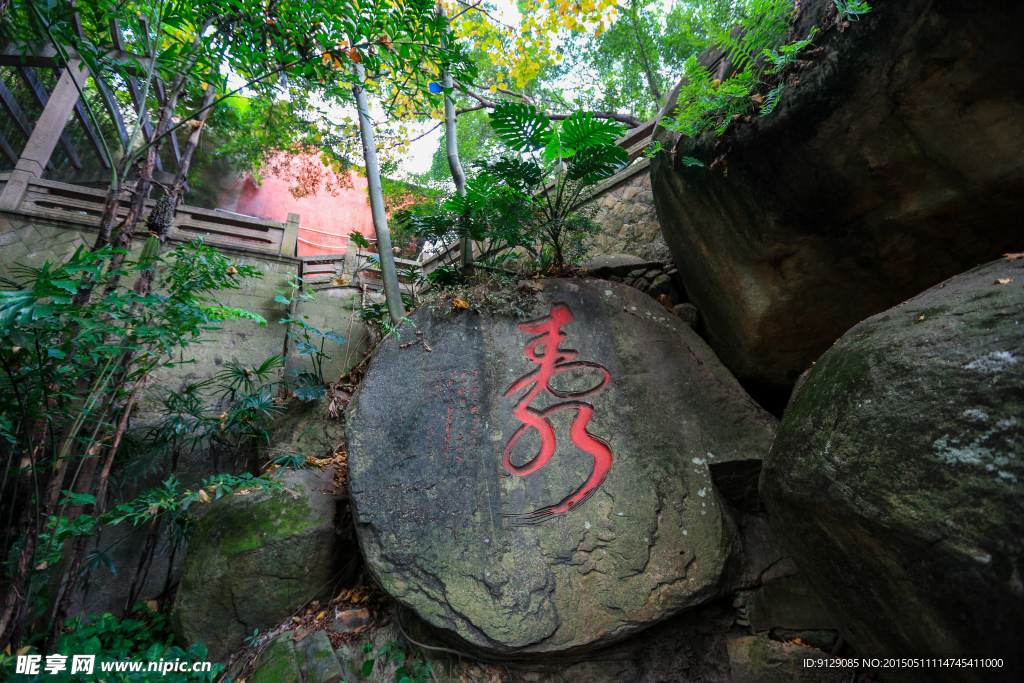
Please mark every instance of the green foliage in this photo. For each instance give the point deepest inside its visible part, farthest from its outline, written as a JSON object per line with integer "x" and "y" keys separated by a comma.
{"x": 787, "y": 54}
{"x": 757, "y": 49}
{"x": 306, "y": 335}
{"x": 410, "y": 669}
{"x": 852, "y": 10}
{"x": 763, "y": 26}
{"x": 376, "y": 316}
{"x": 709, "y": 104}
{"x": 71, "y": 366}
{"x": 772, "y": 100}
{"x": 642, "y": 54}
{"x": 529, "y": 201}
{"x": 144, "y": 637}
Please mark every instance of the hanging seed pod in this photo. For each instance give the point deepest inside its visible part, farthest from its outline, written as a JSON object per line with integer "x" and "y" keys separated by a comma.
{"x": 159, "y": 221}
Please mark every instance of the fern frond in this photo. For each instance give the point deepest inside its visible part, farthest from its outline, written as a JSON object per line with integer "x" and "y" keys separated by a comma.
{"x": 764, "y": 27}
{"x": 772, "y": 100}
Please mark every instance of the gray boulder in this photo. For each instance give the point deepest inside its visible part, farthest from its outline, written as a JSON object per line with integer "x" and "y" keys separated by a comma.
{"x": 255, "y": 556}
{"x": 898, "y": 162}
{"x": 897, "y": 478}
{"x": 620, "y": 529}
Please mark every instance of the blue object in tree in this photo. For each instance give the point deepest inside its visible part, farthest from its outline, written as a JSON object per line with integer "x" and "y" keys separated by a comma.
{"x": 435, "y": 88}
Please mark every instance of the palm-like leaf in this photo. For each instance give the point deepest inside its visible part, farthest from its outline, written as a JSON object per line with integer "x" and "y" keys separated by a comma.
{"x": 582, "y": 130}
{"x": 520, "y": 126}
{"x": 592, "y": 164}
{"x": 521, "y": 174}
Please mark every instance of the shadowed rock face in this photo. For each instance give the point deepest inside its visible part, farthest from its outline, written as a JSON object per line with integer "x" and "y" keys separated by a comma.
{"x": 253, "y": 557}
{"x": 513, "y": 557}
{"x": 897, "y": 478}
{"x": 897, "y": 162}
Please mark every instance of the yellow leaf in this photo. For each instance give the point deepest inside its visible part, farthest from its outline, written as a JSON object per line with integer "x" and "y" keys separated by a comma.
{"x": 203, "y": 496}
{"x": 23, "y": 650}
{"x": 459, "y": 303}
{"x": 494, "y": 88}
{"x": 41, "y": 566}
{"x": 321, "y": 615}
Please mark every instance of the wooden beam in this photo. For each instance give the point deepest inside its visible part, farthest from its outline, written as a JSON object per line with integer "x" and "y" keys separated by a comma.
{"x": 10, "y": 103}
{"x": 38, "y": 91}
{"x": 94, "y": 139}
{"x": 133, "y": 88}
{"x": 44, "y": 55}
{"x": 8, "y": 151}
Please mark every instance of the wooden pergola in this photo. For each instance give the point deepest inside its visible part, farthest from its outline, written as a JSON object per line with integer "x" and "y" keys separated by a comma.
{"x": 62, "y": 108}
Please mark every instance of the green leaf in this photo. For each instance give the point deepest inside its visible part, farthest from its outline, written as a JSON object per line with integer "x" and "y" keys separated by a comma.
{"x": 582, "y": 130}
{"x": 593, "y": 164}
{"x": 368, "y": 667}
{"x": 520, "y": 126}
{"x": 15, "y": 305}
{"x": 69, "y": 286}
{"x": 79, "y": 498}
{"x": 282, "y": 300}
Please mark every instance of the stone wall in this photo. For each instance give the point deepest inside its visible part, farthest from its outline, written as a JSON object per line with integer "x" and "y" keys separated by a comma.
{"x": 31, "y": 241}
{"x": 626, "y": 215}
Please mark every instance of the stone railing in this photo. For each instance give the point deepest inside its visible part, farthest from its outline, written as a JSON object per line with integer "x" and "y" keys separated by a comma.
{"x": 83, "y": 206}
{"x": 360, "y": 267}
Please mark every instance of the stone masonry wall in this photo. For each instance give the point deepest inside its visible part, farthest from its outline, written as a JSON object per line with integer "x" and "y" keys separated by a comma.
{"x": 32, "y": 241}
{"x": 626, "y": 215}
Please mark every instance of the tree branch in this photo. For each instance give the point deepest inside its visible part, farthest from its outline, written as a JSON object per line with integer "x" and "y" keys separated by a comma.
{"x": 485, "y": 103}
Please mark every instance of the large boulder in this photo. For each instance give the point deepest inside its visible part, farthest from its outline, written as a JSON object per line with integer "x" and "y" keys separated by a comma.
{"x": 256, "y": 555}
{"x": 512, "y": 553}
{"x": 898, "y": 162}
{"x": 897, "y": 478}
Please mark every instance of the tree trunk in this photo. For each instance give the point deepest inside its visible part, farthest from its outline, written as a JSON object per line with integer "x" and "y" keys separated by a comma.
{"x": 380, "y": 219}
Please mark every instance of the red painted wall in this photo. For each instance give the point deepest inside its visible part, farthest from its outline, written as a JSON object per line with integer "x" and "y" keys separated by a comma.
{"x": 324, "y": 220}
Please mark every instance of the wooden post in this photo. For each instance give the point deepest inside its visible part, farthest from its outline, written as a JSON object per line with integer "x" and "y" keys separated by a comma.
{"x": 45, "y": 136}
{"x": 290, "y": 241}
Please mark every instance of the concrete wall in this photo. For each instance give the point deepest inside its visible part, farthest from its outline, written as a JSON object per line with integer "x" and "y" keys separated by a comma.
{"x": 626, "y": 216}
{"x": 32, "y": 241}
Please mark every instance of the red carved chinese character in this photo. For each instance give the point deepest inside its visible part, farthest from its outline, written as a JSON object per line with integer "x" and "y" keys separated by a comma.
{"x": 552, "y": 361}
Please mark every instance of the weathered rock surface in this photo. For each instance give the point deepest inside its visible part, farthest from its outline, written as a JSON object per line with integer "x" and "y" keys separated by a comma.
{"x": 254, "y": 557}
{"x": 622, "y": 528}
{"x": 897, "y": 478}
{"x": 756, "y": 659}
{"x": 897, "y": 162}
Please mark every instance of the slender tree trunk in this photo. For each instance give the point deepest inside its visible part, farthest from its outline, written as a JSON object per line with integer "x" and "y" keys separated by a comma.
{"x": 451, "y": 143}
{"x": 392, "y": 293}
{"x": 178, "y": 186}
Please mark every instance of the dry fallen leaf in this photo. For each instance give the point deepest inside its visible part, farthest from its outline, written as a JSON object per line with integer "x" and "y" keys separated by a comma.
{"x": 320, "y": 616}
{"x": 204, "y": 497}
{"x": 1013, "y": 257}
{"x": 921, "y": 318}
{"x": 354, "y": 55}
{"x": 459, "y": 303}
{"x": 231, "y": 270}
{"x": 757, "y": 99}
{"x": 1003, "y": 281}
{"x": 151, "y": 605}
